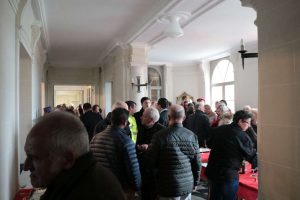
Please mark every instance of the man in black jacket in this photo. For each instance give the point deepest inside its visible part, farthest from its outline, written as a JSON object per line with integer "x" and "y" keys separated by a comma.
{"x": 146, "y": 103}
{"x": 90, "y": 119}
{"x": 174, "y": 155}
{"x": 59, "y": 160}
{"x": 229, "y": 146}
{"x": 150, "y": 126}
{"x": 162, "y": 106}
{"x": 199, "y": 123}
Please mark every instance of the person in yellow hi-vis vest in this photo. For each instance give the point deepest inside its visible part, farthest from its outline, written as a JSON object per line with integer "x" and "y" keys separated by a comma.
{"x": 131, "y": 119}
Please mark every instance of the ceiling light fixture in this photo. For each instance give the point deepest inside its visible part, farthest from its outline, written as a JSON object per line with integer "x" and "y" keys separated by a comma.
{"x": 172, "y": 20}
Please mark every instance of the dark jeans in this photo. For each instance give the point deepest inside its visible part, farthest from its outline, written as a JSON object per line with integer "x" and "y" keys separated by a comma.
{"x": 223, "y": 190}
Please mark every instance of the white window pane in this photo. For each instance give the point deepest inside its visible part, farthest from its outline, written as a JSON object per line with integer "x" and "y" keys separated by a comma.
{"x": 216, "y": 94}
{"x": 229, "y": 74}
{"x": 230, "y": 105}
{"x": 223, "y": 72}
{"x": 229, "y": 92}
{"x": 229, "y": 96}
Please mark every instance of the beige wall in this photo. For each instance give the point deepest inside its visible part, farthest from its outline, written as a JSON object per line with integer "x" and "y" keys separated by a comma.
{"x": 279, "y": 97}
{"x": 187, "y": 78}
{"x": 8, "y": 102}
{"x": 70, "y": 76}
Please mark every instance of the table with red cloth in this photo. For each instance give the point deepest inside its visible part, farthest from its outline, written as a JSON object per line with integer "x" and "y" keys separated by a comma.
{"x": 29, "y": 194}
{"x": 248, "y": 182}
{"x": 24, "y": 194}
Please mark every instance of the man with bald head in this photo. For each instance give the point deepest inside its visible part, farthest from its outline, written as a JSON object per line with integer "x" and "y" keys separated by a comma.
{"x": 59, "y": 160}
{"x": 174, "y": 155}
{"x": 101, "y": 126}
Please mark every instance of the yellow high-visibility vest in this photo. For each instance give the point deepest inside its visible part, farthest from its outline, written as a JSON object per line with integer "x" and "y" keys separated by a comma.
{"x": 133, "y": 128}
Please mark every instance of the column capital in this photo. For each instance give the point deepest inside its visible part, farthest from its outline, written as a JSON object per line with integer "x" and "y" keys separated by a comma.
{"x": 139, "y": 54}
{"x": 35, "y": 34}
{"x": 250, "y": 4}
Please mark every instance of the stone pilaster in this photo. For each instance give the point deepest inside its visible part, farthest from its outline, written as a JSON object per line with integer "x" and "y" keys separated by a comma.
{"x": 139, "y": 68}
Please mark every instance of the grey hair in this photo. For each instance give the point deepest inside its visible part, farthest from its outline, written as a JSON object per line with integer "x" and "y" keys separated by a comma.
{"x": 223, "y": 108}
{"x": 177, "y": 112}
{"x": 152, "y": 113}
{"x": 120, "y": 104}
{"x": 64, "y": 132}
{"x": 199, "y": 105}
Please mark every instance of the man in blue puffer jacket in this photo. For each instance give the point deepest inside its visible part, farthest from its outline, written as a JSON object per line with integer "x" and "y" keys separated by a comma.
{"x": 115, "y": 150}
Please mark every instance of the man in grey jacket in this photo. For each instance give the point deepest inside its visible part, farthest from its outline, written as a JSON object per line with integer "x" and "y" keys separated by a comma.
{"x": 174, "y": 155}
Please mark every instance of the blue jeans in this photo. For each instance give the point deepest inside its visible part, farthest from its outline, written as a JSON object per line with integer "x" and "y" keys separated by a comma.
{"x": 223, "y": 190}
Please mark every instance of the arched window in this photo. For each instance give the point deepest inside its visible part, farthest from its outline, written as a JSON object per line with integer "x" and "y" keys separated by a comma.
{"x": 222, "y": 83}
{"x": 155, "y": 82}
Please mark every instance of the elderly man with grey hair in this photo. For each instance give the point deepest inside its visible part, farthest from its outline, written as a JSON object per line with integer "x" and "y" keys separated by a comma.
{"x": 174, "y": 155}
{"x": 150, "y": 126}
{"x": 199, "y": 123}
{"x": 59, "y": 160}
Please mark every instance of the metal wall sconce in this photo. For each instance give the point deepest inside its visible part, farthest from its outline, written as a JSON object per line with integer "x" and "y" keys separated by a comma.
{"x": 246, "y": 55}
{"x": 138, "y": 84}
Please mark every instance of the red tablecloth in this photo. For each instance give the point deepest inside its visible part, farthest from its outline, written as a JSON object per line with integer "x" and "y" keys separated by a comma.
{"x": 23, "y": 194}
{"x": 248, "y": 182}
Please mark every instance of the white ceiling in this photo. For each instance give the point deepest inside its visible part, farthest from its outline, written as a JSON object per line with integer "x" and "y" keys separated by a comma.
{"x": 80, "y": 33}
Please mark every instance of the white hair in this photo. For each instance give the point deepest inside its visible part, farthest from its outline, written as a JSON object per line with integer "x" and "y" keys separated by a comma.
{"x": 199, "y": 105}
{"x": 120, "y": 104}
{"x": 152, "y": 113}
{"x": 247, "y": 108}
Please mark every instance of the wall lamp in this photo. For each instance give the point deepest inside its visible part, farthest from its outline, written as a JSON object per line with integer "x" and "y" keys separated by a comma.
{"x": 244, "y": 53}
{"x": 138, "y": 83}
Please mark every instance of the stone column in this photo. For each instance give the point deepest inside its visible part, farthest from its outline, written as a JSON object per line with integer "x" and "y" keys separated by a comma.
{"x": 279, "y": 97}
{"x": 138, "y": 68}
{"x": 9, "y": 103}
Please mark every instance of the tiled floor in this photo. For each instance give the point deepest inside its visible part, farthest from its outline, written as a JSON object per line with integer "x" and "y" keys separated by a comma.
{"x": 202, "y": 192}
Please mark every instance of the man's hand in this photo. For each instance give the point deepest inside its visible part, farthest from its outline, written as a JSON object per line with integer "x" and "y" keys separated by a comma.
{"x": 194, "y": 188}
{"x": 142, "y": 147}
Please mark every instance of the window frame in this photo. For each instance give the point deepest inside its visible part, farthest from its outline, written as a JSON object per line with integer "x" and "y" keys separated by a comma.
{"x": 214, "y": 66}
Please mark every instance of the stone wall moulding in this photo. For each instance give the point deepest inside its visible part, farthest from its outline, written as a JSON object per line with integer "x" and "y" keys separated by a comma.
{"x": 35, "y": 33}
{"x": 14, "y": 5}
{"x": 250, "y": 4}
{"x": 25, "y": 40}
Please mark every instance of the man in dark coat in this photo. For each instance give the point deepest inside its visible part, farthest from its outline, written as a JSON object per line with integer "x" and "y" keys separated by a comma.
{"x": 230, "y": 145}
{"x": 150, "y": 126}
{"x": 199, "y": 123}
{"x": 59, "y": 160}
{"x": 146, "y": 103}
{"x": 162, "y": 106}
{"x": 90, "y": 119}
{"x": 174, "y": 155}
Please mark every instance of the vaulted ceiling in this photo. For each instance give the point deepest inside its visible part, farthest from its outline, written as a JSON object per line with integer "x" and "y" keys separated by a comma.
{"x": 81, "y": 33}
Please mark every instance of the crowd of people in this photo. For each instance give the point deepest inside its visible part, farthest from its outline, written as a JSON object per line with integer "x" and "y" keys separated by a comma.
{"x": 153, "y": 153}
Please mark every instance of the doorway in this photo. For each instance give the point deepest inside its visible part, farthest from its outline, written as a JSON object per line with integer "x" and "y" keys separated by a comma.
{"x": 73, "y": 95}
